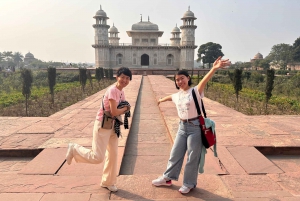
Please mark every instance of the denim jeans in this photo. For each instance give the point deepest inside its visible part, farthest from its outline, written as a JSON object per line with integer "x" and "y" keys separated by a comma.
{"x": 188, "y": 139}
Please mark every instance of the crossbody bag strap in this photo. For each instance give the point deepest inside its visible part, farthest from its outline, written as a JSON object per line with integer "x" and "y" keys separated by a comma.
{"x": 203, "y": 109}
{"x": 103, "y": 104}
{"x": 197, "y": 104}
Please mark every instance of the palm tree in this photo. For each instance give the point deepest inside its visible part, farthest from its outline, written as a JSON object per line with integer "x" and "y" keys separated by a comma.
{"x": 18, "y": 57}
{"x": 7, "y": 55}
{"x": 1, "y": 57}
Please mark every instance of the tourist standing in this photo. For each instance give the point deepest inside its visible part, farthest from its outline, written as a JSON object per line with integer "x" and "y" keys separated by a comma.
{"x": 188, "y": 138}
{"x": 105, "y": 138}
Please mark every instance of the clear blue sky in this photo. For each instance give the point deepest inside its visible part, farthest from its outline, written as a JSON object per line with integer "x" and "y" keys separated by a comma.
{"x": 55, "y": 30}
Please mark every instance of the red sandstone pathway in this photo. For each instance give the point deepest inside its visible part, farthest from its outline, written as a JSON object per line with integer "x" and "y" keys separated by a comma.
{"x": 241, "y": 171}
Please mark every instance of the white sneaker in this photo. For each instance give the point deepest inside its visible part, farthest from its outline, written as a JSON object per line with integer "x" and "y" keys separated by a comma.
{"x": 161, "y": 181}
{"x": 184, "y": 189}
{"x": 69, "y": 155}
{"x": 112, "y": 188}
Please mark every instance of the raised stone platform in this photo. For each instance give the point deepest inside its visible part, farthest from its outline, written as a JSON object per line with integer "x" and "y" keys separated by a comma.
{"x": 258, "y": 156}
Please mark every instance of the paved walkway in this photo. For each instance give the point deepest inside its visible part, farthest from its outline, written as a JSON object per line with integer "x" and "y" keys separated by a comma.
{"x": 258, "y": 156}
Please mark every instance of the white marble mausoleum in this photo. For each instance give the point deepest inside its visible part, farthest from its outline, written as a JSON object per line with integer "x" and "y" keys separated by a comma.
{"x": 145, "y": 51}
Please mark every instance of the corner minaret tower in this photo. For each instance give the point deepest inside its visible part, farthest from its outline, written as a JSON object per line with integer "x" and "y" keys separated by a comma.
{"x": 175, "y": 39}
{"x": 113, "y": 36}
{"x": 101, "y": 39}
{"x": 187, "y": 43}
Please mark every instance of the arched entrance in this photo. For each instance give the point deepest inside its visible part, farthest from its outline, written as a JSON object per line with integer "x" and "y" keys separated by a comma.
{"x": 119, "y": 59}
{"x": 170, "y": 60}
{"x": 145, "y": 60}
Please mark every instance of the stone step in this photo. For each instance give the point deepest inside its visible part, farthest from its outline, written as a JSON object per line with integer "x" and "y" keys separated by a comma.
{"x": 253, "y": 161}
{"x": 139, "y": 187}
{"x": 46, "y": 163}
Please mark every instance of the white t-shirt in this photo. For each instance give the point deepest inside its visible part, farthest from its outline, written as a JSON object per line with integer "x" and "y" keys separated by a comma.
{"x": 185, "y": 103}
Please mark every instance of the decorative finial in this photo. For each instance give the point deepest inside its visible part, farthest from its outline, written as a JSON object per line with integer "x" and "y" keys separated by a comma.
{"x": 100, "y": 7}
{"x": 189, "y": 8}
{"x": 176, "y": 24}
{"x": 141, "y": 17}
{"x": 113, "y": 24}
{"x": 148, "y": 19}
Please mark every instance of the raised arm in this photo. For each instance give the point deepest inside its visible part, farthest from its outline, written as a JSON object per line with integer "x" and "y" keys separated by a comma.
{"x": 167, "y": 98}
{"x": 217, "y": 65}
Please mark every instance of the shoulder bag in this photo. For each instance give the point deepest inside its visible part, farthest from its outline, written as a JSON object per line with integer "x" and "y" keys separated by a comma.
{"x": 107, "y": 120}
{"x": 207, "y": 135}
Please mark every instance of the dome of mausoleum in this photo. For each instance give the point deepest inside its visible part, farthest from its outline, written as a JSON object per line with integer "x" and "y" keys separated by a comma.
{"x": 147, "y": 26}
{"x": 113, "y": 29}
{"x": 258, "y": 56}
{"x": 101, "y": 13}
{"x": 188, "y": 14}
{"x": 176, "y": 29}
{"x": 29, "y": 55}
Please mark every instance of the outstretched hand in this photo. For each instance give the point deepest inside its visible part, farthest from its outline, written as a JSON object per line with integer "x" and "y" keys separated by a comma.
{"x": 219, "y": 63}
{"x": 159, "y": 101}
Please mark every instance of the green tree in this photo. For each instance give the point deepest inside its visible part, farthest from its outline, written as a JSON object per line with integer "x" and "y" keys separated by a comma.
{"x": 247, "y": 75}
{"x": 237, "y": 64}
{"x": 89, "y": 76}
{"x": 98, "y": 75}
{"x": 247, "y": 65}
{"x": 1, "y": 57}
{"x": 264, "y": 63}
{"x": 255, "y": 64}
{"x": 40, "y": 64}
{"x": 269, "y": 85}
{"x": 296, "y": 50}
{"x": 256, "y": 77}
{"x": 209, "y": 52}
{"x": 82, "y": 78}
{"x": 27, "y": 80}
{"x": 106, "y": 73}
{"x": 18, "y": 57}
{"x": 56, "y": 64}
{"x": 7, "y": 55}
{"x": 281, "y": 55}
{"x": 295, "y": 85}
{"x": 51, "y": 81}
{"x": 111, "y": 73}
{"x": 237, "y": 82}
{"x": 101, "y": 72}
{"x": 241, "y": 65}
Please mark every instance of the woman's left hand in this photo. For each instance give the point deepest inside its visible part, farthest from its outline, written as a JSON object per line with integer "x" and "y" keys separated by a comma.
{"x": 219, "y": 63}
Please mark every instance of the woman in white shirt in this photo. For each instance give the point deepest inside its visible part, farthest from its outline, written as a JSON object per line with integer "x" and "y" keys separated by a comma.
{"x": 188, "y": 138}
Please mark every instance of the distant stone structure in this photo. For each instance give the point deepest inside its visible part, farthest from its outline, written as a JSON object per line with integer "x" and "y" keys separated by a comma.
{"x": 29, "y": 58}
{"x": 145, "y": 51}
{"x": 258, "y": 56}
{"x": 293, "y": 66}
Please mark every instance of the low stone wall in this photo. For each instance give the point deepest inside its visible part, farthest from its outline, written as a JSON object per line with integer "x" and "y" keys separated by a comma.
{"x": 141, "y": 71}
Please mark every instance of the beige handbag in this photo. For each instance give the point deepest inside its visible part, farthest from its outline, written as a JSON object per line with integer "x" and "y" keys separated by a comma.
{"x": 107, "y": 120}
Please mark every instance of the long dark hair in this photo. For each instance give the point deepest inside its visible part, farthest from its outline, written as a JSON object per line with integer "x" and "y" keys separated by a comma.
{"x": 185, "y": 73}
